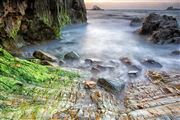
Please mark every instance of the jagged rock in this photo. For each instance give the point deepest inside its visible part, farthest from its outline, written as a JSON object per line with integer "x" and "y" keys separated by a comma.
{"x": 136, "y": 21}
{"x": 90, "y": 84}
{"x": 71, "y": 56}
{"x": 151, "y": 63}
{"x": 166, "y": 36}
{"x": 44, "y": 56}
{"x": 162, "y": 29}
{"x": 111, "y": 85}
{"x": 95, "y": 7}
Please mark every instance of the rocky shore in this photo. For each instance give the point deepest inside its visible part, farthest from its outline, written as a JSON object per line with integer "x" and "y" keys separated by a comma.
{"x": 47, "y": 87}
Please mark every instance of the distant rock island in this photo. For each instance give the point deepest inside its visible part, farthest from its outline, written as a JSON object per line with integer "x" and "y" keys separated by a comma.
{"x": 172, "y": 8}
{"x": 95, "y": 7}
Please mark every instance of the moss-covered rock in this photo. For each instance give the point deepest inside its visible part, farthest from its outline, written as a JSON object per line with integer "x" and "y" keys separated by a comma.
{"x": 36, "y": 20}
{"x": 26, "y": 88}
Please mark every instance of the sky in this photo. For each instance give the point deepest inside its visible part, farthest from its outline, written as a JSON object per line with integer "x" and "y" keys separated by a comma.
{"x": 133, "y": 4}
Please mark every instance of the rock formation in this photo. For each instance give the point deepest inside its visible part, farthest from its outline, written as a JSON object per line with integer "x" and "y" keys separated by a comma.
{"x": 29, "y": 21}
{"x": 95, "y": 7}
{"x": 162, "y": 29}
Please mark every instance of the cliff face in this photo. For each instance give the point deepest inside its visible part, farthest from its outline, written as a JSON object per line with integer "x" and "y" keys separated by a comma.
{"x": 29, "y": 21}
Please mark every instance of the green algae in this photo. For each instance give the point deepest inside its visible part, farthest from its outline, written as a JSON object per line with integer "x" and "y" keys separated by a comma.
{"x": 29, "y": 90}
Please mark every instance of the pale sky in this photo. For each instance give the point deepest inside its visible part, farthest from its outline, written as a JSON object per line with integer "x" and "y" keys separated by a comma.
{"x": 133, "y": 4}
{"x": 131, "y": 0}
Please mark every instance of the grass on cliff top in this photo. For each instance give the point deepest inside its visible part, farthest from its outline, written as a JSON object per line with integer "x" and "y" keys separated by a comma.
{"x": 15, "y": 72}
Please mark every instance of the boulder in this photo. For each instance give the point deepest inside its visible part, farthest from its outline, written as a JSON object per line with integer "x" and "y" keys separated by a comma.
{"x": 92, "y": 61}
{"x": 151, "y": 63}
{"x": 155, "y": 22}
{"x": 136, "y": 21}
{"x": 133, "y": 73}
{"x": 44, "y": 56}
{"x": 111, "y": 85}
{"x": 95, "y": 7}
{"x": 71, "y": 56}
{"x": 166, "y": 36}
{"x": 176, "y": 52}
{"x": 162, "y": 29}
{"x": 48, "y": 63}
{"x": 105, "y": 68}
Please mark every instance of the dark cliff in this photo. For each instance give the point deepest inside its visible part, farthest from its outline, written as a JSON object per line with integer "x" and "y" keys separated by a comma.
{"x": 29, "y": 21}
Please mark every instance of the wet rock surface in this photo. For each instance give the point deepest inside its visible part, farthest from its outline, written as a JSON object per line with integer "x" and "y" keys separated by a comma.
{"x": 151, "y": 63}
{"x": 136, "y": 21}
{"x": 44, "y": 56}
{"x": 71, "y": 56}
{"x": 162, "y": 29}
{"x": 142, "y": 100}
{"x": 111, "y": 85}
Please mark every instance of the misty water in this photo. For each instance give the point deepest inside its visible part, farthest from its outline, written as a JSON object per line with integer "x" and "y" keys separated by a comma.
{"x": 108, "y": 36}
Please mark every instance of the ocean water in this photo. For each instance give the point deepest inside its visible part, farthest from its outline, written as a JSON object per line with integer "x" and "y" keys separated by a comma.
{"x": 108, "y": 36}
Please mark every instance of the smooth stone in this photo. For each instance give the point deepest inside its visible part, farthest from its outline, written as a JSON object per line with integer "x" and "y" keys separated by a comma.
{"x": 151, "y": 63}
{"x": 71, "y": 56}
{"x": 111, "y": 85}
{"x": 44, "y": 56}
{"x": 133, "y": 73}
{"x": 105, "y": 68}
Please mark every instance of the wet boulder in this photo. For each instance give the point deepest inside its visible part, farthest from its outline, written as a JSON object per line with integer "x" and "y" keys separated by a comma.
{"x": 48, "y": 63}
{"x": 44, "y": 56}
{"x": 71, "y": 56}
{"x": 133, "y": 73}
{"x": 151, "y": 63}
{"x": 111, "y": 85}
{"x": 166, "y": 36}
{"x": 92, "y": 61}
{"x": 134, "y": 70}
{"x": 176, "y": 52}
{"x": 162, "y": 29}
{"x": 136, "y": 21}
{"x": 154, "y": 22}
